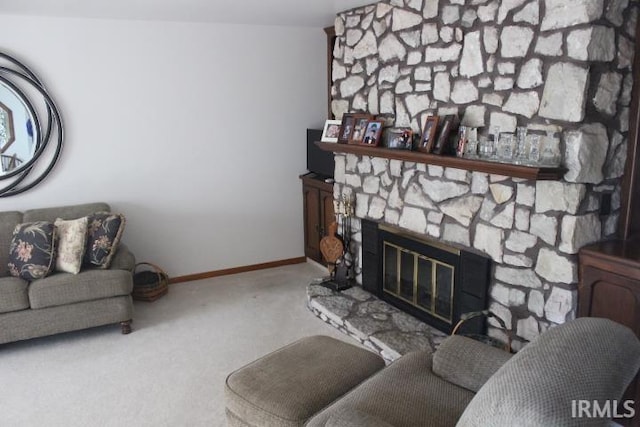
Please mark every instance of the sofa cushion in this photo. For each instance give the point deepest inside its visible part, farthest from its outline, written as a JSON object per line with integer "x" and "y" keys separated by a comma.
{"x": 32, "y": 250}
{"x": 466, "y": 362}
{"x": 13, "y": 294}
{"x": 8, "y": 222}
{"x": 285, "y": 388}
{"x": 105, "y": 231}
{"x": 26, "y": 324}
{"x": 404, "y": 394}
{"x": 66, "y": 288}
{"x": 64, "y": 212}
{"x": 586, "y": 359}
{"x": 72, "y": 241}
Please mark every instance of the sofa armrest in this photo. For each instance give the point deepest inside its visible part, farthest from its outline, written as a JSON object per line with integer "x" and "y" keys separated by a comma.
{"x": 467, "y": 363}
{"x": 123, "y": 259}
{"x": 583, "y": 360}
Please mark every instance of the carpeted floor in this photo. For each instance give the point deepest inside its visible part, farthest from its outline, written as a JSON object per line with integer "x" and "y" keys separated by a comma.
{"x": 170, "y": 371}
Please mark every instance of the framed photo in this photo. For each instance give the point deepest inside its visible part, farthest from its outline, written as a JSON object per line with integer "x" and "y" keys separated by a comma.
{"x": 331, "y": 131}
{"x": 429, "y": 133}
{"x": 399, "y": 139}
{"x": 360, "y": 122}
{"x": 373, "y": 133}
{"x": 442, "y": 142}
{"x": 346, "y": 128}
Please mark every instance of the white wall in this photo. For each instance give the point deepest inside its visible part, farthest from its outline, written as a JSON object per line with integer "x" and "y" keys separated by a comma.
{"x": 196, "y": 132}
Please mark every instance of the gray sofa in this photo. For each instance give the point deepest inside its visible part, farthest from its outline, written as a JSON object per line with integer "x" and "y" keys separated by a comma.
{"x": 62, "y": 302}
{"x": 464, "y": 383}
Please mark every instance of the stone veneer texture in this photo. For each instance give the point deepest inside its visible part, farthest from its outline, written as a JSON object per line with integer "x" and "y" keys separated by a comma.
{"x": 562, "y": 68}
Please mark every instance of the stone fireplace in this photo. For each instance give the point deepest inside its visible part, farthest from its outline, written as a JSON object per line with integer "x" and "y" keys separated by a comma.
{"x": 562, "y": 68}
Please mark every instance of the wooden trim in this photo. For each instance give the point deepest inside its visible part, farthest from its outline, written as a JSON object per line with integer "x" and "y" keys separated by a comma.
{"x": 628, "y": 226}
{"x": 331, "y": 40}
{"x": 312, "y": 180}
{"x": 235, "y": 270}
{"x": 506, "y": 169}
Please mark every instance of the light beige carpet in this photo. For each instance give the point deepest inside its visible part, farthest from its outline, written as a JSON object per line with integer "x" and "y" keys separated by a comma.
{"x": 170, "y": 371}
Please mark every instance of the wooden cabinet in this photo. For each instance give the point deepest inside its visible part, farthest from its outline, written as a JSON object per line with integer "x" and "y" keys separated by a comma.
{"x": 610, "y": 288}
{"x": 318, "y": 213}
{"x": 610, "y": 282}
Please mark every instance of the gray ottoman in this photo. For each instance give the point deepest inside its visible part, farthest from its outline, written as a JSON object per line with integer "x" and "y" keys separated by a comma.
{"x": 287, "y": 387}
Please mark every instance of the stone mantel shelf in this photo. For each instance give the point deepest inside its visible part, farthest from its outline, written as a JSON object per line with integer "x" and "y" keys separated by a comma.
{"x": 516, "y": 171}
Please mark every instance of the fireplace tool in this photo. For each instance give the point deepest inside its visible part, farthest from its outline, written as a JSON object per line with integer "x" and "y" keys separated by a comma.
{"x": 332, "y": 248}
{"x": 337, "y": 250}
{"x": 484, "y": 338}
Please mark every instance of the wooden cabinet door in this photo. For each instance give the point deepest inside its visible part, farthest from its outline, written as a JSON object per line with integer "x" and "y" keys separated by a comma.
{"x": 318, "y": 213}
{"x": 609, "y": 295}
{"x": 311, "y": 222}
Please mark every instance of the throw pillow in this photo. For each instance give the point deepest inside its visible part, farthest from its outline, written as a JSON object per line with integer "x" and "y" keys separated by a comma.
{"x": 104, "y": 233}
{"x": 32, "y": 250}
{"x": 467, "y": 363}
{"x": 72, "y": 239}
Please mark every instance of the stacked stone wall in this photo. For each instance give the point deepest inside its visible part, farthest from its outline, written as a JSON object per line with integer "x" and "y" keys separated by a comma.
{"x": 562, "y": 68}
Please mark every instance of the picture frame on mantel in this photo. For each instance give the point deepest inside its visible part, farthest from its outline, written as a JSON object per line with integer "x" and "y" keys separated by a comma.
{"x": 346, "y": 128}
{"x": 442, "y": 142}
{"x": 331, "y": 131}
{"x": 399, "y": 139}
{"x": 373, "y": 133}
{"x": 360, "y": 122}
{"x": 429, "y": 133}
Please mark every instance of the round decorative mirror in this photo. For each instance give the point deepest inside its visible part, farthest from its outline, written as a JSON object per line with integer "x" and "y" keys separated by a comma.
{"x": 31, "y": 132}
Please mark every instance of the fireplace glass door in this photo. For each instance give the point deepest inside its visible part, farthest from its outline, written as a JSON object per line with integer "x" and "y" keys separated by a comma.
{"x": 423, "y": 282}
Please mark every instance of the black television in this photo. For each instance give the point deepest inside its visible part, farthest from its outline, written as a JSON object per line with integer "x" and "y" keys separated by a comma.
{"x": 318, "y": 161}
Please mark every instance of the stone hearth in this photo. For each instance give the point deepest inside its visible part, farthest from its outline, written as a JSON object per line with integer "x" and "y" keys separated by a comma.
{"x": 372, "y": 322}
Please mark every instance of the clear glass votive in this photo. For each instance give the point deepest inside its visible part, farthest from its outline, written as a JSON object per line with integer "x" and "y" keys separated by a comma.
{"x": 521, "y": 145}
{"x": 472, "y": 149}
{"x": 483, "y": 147}
{"x": 550, "y": 151}
{"x": 506, "y": 147}
{"x": 534, "y": 149}
{"x": 495, "y": 138}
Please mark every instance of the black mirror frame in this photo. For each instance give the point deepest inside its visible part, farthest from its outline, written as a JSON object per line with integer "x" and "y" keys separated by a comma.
{"x": 12, "y": 78}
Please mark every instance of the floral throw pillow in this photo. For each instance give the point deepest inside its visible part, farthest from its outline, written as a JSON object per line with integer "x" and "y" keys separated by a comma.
{"x": 32, "y": 250}
{"x": 104, "y": 233}
{"x": 72, "y": 241}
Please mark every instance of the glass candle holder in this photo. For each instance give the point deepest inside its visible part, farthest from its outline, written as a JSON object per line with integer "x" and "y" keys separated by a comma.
{"x": 472, "y": 149}
{"x": 550, "y": 150}
{"x": 506, "y": 147}
{"x": 495, "y": 139}
{"x": 521, "y": 145}
{"x": 534, "y": 149}
{"x": 484, "y": 147}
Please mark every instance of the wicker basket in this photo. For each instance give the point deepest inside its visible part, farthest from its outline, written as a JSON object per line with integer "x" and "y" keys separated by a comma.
{"x": 485, "y": 338}
{"x": 149, "y": 285}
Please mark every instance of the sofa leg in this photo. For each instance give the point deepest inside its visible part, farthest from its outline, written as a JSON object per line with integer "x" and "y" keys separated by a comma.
{"x": 126, "y": 327}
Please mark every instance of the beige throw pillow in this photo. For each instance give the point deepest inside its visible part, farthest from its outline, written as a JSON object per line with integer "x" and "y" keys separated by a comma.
{"x": 71, "y": 244}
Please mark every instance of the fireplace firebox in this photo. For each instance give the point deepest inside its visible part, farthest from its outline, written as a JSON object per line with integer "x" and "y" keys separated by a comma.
{"x": 434, "y": 282}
